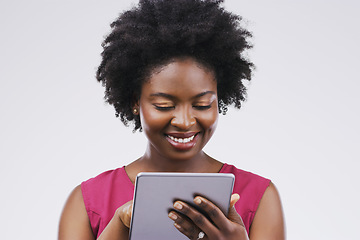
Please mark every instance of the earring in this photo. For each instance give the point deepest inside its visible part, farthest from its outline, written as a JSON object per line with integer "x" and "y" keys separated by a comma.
{"x": 135, "y": 111}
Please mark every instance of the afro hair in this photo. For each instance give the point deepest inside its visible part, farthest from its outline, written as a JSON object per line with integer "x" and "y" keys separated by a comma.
{"x": 157, "y": 31}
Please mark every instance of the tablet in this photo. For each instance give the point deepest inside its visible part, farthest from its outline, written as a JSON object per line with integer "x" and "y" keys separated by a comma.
{"x": 155, "y": 194}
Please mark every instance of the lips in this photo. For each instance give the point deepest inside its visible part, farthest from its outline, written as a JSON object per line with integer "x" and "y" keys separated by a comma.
{"x": 182, "y": 141}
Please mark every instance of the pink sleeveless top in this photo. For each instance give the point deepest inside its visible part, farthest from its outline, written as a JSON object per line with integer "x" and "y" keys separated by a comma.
{"x": 110, "y": 190}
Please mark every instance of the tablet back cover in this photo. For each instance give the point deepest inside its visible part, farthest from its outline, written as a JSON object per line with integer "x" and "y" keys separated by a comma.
{"x": 155, "y": 194}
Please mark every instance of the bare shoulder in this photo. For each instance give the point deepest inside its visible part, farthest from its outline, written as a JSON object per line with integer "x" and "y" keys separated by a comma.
{"x": 74, "y": 221}
{"x": 269, "y": 221}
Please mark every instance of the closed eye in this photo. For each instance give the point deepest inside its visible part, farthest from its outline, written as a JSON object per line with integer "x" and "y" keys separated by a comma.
{"x": 202, "y": 107}
{"x": 167, "y": 108}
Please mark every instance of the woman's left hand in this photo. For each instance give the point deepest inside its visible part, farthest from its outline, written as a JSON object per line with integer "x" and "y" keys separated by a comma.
{"x": 231, "y": 227}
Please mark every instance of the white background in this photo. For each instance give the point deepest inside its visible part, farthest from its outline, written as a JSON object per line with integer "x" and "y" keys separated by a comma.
{"x": 299, "y": 127}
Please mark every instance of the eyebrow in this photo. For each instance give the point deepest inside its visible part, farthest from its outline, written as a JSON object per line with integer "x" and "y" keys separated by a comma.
{"x": 165, "y": 95}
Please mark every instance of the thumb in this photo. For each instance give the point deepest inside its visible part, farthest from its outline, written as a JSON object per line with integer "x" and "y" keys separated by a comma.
{"x": 234, "y": 198}
{"x": 233, "y": 214}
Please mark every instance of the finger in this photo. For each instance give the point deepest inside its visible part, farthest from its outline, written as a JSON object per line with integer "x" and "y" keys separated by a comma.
{"x": 198, "y": 219}
{"x": 125, "y": 213}
{"x": 184, "y": 225}
{"x": 234, "y": 198}
{"x": 216, "y": 215}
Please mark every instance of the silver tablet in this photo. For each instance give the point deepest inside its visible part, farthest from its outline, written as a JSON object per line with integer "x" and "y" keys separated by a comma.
{"x": 155, "y": 194}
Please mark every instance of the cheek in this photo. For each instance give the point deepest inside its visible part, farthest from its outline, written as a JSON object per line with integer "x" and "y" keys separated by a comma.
{"x": 209, "y": 121}
{"x": 152, "y": 120}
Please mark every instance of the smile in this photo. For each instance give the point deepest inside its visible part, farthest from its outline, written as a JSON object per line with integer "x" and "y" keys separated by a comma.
{"x": 181, "y": 140}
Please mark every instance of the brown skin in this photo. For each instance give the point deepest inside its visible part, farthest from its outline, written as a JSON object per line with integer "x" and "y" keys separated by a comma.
{"x": 179, "y": 99}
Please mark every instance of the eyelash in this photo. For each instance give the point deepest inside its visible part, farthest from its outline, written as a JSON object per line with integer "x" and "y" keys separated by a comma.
{"x": 164, "y": 108}
{"x": 202, "y": 107}
{"x": 172, "y": 107}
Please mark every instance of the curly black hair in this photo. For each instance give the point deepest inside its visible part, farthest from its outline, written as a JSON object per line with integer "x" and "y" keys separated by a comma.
{"x": 158, "y": 31}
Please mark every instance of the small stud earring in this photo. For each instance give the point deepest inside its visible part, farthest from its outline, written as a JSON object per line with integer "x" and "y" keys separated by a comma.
{"x": 135, "y": 111}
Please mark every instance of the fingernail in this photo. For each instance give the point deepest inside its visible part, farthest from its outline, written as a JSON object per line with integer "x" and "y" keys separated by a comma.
{"x": 197, "y": 200}
{"x": 177, "y": 225}
{"x": 178, "y": 206}
{"x": 172, "y": 216}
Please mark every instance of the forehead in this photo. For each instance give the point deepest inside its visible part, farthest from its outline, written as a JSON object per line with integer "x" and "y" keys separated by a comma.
{"x": 181, "y": 77}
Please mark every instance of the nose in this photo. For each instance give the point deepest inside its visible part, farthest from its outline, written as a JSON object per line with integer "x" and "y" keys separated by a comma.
{"x": 183, "y": 119}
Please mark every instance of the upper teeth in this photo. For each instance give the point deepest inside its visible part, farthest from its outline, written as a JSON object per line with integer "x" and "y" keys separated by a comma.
{"x": 182, "y": 140}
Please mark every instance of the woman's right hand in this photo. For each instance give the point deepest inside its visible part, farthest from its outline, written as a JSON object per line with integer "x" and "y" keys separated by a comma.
{"x": 124, "y": 213}
{"x": 118, "y": 227}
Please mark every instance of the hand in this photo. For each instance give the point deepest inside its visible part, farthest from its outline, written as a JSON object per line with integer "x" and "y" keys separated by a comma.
{"x": 124, "y": 213}
{"x": 118, "y": 227}
{"x": 191, "y": 222}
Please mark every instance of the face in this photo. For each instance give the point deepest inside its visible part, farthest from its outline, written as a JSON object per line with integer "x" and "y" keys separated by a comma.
{"x": 179, "y": 109}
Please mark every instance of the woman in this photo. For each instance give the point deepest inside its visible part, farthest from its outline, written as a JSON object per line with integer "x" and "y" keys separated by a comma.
{"x": 170, "y": 67}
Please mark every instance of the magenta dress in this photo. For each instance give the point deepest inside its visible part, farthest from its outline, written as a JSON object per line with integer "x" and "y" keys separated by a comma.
{"x": 110, "y": 190}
